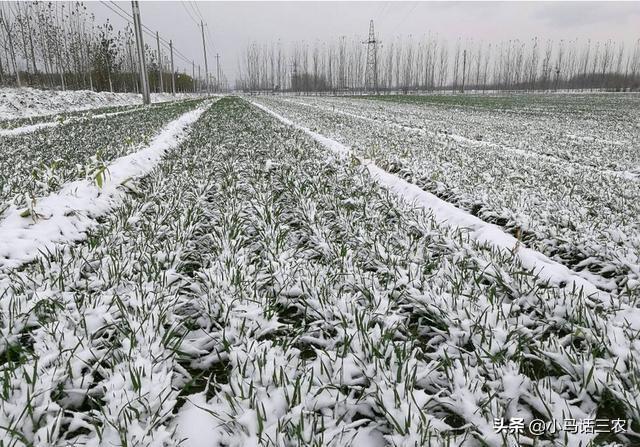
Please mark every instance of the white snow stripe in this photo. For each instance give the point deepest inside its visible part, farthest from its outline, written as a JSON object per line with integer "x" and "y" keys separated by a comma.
{"x": 27, "y": 129}
{"x": 446, "y": 213}
{"x": 65, "y": 216}
{"x": 122, "y": 112}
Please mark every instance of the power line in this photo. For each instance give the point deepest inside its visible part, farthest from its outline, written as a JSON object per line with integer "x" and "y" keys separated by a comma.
{"x": 123, "y": 14}
{"x": 117, "y": 13}
{"x": 196, "y": 9}
{"x": 181, "y": 54}
{"x": 148, "y": 31}
{"x": 189, "y": 13}
{"x": 198, "y": 13}
{"x": 128, "y": 18}
{"x": 121, "y": 9}
{"x": 129, "y": 15}
{"x": 210, "y": 36}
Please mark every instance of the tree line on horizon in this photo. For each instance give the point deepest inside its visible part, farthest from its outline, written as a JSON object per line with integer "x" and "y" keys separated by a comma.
{"x": 433, "y": 64}
{"x": 59, "y": 45}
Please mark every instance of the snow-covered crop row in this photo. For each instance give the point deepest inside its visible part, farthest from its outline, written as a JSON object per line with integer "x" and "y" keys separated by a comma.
{"x": 22, "y": 126}
{"x": 260, "y": 289}
{"x": 583, "y": 216}
{"x": 35, "y": 164}
{"x": 66, "y": 215}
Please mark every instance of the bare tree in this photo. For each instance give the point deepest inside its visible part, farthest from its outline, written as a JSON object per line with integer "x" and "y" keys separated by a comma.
{"x": 443, "y": 66}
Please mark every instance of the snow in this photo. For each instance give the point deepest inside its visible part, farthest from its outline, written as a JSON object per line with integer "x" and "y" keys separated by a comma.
{"x": 27, "y": 129}
{"x": 195, "y": 426}
{"x": 448, "y": 214}
{"x": 68, "y": 214}
{"x": 28, "y": 102}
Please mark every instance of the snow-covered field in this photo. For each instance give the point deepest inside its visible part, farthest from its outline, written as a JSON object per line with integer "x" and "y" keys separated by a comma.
{"x": 30, "y": 102}
{"x": 565, "y": 181}
{"x": 321, "y": 271}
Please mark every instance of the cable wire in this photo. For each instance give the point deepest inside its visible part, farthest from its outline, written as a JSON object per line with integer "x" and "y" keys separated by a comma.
{"x": 148, "y": 31}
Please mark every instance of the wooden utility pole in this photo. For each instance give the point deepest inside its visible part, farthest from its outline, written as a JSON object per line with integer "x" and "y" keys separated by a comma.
{"x": 204, "y": 49}
{"x": 173, "y": 72}
{"x": 133, "y": 67}
{"x": 193, "y": 76}
{"x": 159, "y": 62}
{"x": 144, "y": 81}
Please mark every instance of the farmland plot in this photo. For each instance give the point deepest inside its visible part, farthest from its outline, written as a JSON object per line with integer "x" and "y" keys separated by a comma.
{"x": 17, "y": 126}
{"x": 259, "y": 289}
{"x": 583, "y": 216}
{"x": 601, "y": 131}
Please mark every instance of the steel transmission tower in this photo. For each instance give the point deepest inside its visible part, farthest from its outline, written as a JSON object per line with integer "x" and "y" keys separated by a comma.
{"x": 371, "y": 73}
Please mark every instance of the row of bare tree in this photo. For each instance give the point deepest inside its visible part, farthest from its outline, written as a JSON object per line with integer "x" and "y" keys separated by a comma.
{"x": 430, "y": 64}
{"x": 60, "y": 45}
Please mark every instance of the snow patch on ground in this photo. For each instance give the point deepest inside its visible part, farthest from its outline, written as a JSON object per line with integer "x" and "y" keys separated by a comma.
{"x": 67, "y": 215}
{"x": 28, "y": 102}
{"x": 195, "y": 426}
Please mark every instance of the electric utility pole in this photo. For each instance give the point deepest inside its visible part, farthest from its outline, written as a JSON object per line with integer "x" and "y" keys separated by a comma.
{"x": 193, "y": 76}
{"x": 371, "y": 73}
{"x": 144, "y": 81}
{"x": 159, "y": 62}
{"x": 204, "y": 49}
{"x": 173, "y": 72}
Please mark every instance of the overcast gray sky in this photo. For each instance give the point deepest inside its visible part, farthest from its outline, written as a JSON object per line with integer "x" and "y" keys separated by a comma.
{"x": 232, "y": 25}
